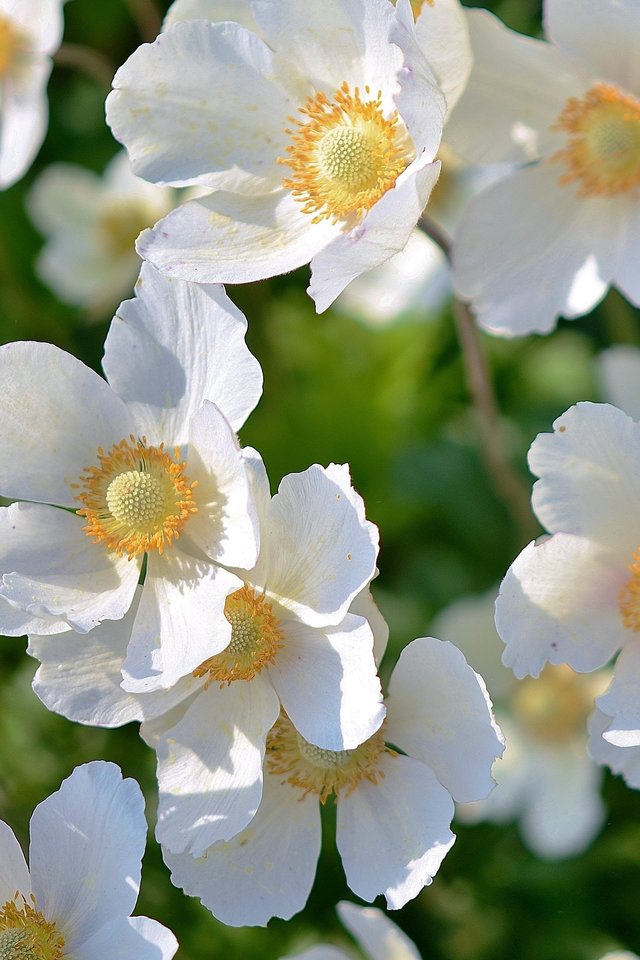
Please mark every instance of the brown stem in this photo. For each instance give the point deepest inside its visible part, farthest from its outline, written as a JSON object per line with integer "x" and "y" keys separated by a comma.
{"x": 147, "y": 18}
{"x": 507, "y": 482}
{"x": 92, "y": 63}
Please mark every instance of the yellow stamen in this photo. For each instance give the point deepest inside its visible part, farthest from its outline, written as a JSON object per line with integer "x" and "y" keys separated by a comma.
{"x": 554, "y": 707}
{"x": 255, "y": 639}
{"x": 11, "y": 44}
{"x": 345, "y": 155}
{"x": 324, "y": 772}
{"x": 26, "y": 935}
{"x": 138, "y": 498}
{"x": 629, "y": 596}
{"x": 120, "y": 225}
{"x": 603, "y": 154}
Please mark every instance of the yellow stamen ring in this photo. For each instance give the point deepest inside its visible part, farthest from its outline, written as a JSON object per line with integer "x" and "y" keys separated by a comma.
{"x": 120, "y": 225}
{"x": 26, "y": 935}
{"x": 11, "y": 43}
{"x": 138, "y": 499}
{"x": 323, "y": 772}
{"x": 554, "y": 707}
{"x": 255, "y": 639}
{"x": 603, "y": 155}
{"x": 345, "y": 155}
{"x": 629, "y": 597}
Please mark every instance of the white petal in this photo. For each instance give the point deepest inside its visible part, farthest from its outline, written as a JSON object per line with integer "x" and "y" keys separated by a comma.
{"x": 180, "y": 622}
{"x": 41, "y": 19}
{"x": 443, "y": 37}
{"x": 87, "y": 841}
{"x": 53, "y": 570}
{"x": 196, "y": 88}
{"x": 623, "y": 760}
{"x": 214, "y": 10}
{"x": 174, "y": 346}
{"x": 210, "y": 765}
{"x": 559, "y": 604}
{"x": 320, "y": 952}
{"x": 420, "y": 101}
{"x": 364, "y": 605}
{"x": 24, "y": 118}
{"x": 564, "y": 810}
{"x": 394, "y": 834}
{"x": 225, "y": 526}
{"x": 554, "y": 253}
{"x": 266, "y": 871}
{"x": 327, "y": 682}
{"x": 439, "y": 712}
{"x": 56, "y": 413}
{"x": 621, "y": 702}
{"x": 230, "y": 238}
{"x": 516, "y": 90}
{"x": 334, "y": 42}
{"x": 16, "y": 623}
{"x": 589, "y": 470}
{"x": 619, "y": 373}
{"x": 14, "y": 873}
{"x": 378, "y": 936}
{"x": 64, "y": 194}
{"x": 319, "y": 551}
{"x": 383, "y": 232}
{"x": 603, "y": 34}
{"x": 80, "y": 676}
{"x": 130, "y": 938}
{"x": 625, "y": 275}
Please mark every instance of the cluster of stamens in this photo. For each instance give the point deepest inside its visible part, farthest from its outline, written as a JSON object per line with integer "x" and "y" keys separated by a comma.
{"x": 11, "y": 42}
{"x": 345, "y": 155}
{"x": 554, "y": 707}
{"x": 603, "y": 154}
{"x": 138, "y": 499}
{"x": 26, "y": 935}
{"x": 322, "y": 772}
{"x": 629, "y": 597}
{"x": 255, "y": 639}
{"x": 120, "y": 225}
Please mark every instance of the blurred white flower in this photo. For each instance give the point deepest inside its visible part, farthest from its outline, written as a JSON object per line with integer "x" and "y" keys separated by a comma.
{"x": 545, "y": 780}
{"x": 298, "y": 638}
{"x": 30, "y": 32}
{"x": 619, "y": 373}
{"x": 76, "y": 896}
{"x": 379, "y": 937}
{"x": 91, "y": 224}
{"x": 393, "y": 810}
{"x": 333, "y": 165}
{"x": 574, "y": 597}
{"x": 550, "y": 239}
{"x": 147, "y": 469}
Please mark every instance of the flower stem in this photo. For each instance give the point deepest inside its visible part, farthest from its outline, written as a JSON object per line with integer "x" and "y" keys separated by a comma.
{"x": 510, "y": 486}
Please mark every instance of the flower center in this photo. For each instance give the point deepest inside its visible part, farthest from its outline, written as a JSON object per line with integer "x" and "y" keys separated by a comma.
{"x": 10, "y": 43}
{"x": 120, "y": 225}
{"x": 255, "y": 639}
{"x": 137, "y": 499}
{"x": 603, "y": 154}
{"x": 345, "y": 155}
{"x": 324, "y": 772}
{"x": 554, "y": 708}
{"x": 629, "y": 596}
{"x": 26, "y": 935}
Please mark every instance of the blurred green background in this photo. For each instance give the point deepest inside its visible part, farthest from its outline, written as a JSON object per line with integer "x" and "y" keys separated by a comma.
{"x": 393, "y": 403}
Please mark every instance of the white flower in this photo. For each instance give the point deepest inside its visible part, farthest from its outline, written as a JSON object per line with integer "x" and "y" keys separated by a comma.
{"x": 153, "y": 471}
{"x": 319, "y": 140}
{"x": 574, "y": 597}
{"x": 545, "y": 778}
{"x": 296, "y": 639}
{"x": 76, "y": 896}
{"x": 214, "y": 10}
{"x": 379, "y": 937}
{"x": 30, "y": 31}
{"x": 552, "y": 237}
{"x": 91, "y": 224}
{"x": 393, "y": 810}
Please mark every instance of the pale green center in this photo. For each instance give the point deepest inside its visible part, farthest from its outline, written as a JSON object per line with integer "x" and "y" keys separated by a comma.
{"x": 136, "y": 498}
{"x": 351, "y": 157}
{"x": 324, "y": 759}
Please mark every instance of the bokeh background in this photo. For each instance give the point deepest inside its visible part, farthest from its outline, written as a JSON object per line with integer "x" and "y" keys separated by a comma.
{"x": 391, "y": 401}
